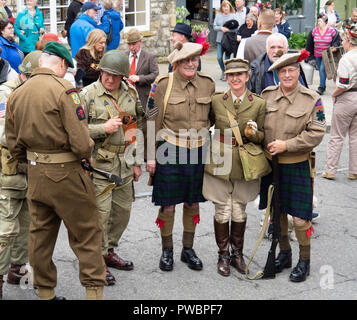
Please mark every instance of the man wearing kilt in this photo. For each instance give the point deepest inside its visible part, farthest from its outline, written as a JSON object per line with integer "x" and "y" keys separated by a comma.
{"x": 178, "y": 108}
{"x": 294, "y": 125}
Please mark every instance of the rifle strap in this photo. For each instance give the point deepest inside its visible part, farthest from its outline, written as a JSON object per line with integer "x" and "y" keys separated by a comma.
{"x": 260, "y": 273}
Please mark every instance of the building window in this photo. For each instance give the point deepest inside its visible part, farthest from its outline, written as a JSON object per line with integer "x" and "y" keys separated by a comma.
{"x": 54, "y": 13}
{"x": 137, "y": 14}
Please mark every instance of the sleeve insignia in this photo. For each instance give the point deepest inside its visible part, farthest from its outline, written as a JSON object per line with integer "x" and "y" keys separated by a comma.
{"x": 71, "y": 91}
{"x": 320, "y": 115}
{"x": 75, "y": 98}
{"x": 80, "y": 113}
{"x": 318, "y": 104}
{"x": 344, "y": 80}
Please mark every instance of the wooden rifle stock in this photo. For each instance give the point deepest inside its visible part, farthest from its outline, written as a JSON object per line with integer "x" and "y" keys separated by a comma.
{"x": 269, "y": 269}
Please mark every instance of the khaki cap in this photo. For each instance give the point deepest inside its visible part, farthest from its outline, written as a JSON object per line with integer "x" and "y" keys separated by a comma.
{"x": 288, "y": 59}
{"x": 236, "y": 65}
{"x": 184, "y": 50}
{"x": 133, "y": 36}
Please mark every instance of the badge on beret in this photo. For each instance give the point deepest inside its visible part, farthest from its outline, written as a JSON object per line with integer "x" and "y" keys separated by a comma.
{"x": 80, "y": 113}
{"x": 75, "y": 98}
{"x": 345, "y": 81}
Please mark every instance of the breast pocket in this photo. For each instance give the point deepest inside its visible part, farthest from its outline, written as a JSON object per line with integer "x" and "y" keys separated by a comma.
{"x": 176, "y": 108}
{"x": 203, "y": 106}
{"x": 295, "y": 121}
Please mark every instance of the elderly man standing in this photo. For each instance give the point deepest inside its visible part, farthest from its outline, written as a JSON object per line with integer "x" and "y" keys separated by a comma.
{"x": 107, "y": 103}
{"x": 260, "y": 76}
{"x": 180, "y": 103}
{"x": 58, "y": 187}
{"x": 294, "y": 125}
{"x": 143, "y": 65}
{"x": 82, "y": 26}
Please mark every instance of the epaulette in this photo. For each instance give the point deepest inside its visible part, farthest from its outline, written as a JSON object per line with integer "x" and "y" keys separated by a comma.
{"x": 161, "y": 77}
{"x": 257, "y": 95}
{"x": 270, "y": 88}
{"x": 314, "y": 95}
{"x": 218, "y": 93}
{"x": 202, "y": 74}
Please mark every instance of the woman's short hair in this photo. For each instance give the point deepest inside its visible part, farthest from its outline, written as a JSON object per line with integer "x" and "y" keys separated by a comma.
{"x": 252, "y": 17}
{"x": 226, "y": 3}
{"x": 4, "y": 23}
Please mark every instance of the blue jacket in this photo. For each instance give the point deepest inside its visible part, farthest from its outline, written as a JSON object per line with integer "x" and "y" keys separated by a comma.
{"x": 79, "y": 31}
{"x": 12, "y": 53}
{"x": 284, "y": 28}
{"x": 117, "y": 26}
{"x": 31, "y": 25}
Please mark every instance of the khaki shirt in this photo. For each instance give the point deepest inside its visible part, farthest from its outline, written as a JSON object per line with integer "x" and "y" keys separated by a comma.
{"x": 347, "y": 71}
{"x": 251, "y": 108}
{"x": 188, "y": 106}
{"x": 97, "y": 101}
{"x": 298, "y": 119}
{"x": 45, "y": 115}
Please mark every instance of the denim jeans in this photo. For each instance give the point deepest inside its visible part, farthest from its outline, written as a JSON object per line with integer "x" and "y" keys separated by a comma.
{"x": 220, "y": 56}
{"x": 322, "y": 72}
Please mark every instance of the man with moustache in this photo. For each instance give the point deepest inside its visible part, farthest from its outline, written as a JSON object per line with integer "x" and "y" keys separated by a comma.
{"x": 180, "y": 103}
{"x": 260, "y": 76}
{"x": 294, "y": 125}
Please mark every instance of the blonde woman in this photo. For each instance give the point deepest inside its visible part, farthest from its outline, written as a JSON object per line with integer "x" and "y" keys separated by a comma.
{"x": 226, "y": 12}
{"x": 88, "y": 57}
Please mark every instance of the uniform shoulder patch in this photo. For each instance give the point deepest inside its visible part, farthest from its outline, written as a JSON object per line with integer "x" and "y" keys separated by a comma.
{"x": 345, "y": 81}
{"x": 80, "y": 113}
{"x": 71, "y": 91}
{"x": 75, "y": 98}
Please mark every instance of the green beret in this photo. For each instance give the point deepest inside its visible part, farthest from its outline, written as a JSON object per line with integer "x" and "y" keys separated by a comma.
{"x": 59, "y": 50}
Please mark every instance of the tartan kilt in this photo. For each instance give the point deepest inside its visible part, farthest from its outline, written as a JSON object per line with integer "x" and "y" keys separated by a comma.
{"x": 176, "y": 182}
{"x": 295, "y": 190}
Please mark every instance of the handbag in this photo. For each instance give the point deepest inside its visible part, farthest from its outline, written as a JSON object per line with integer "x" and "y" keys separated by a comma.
{"x": 254, "y": 163}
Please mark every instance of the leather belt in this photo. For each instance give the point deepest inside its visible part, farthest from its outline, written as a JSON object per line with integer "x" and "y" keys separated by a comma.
{"x": 289, "y": 159}
{"x": 184, "y": 143}
{"x": 51, "y": 157}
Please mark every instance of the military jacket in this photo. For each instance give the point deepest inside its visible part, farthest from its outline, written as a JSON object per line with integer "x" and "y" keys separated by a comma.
{"x": 298, "y": 119}
{"x": 99, "y": 107}
{"x": 347, "y": 71}
{"x": 45, "y": 115}
{"x": 251, "y": 108}
{"x": 188, "y": 106}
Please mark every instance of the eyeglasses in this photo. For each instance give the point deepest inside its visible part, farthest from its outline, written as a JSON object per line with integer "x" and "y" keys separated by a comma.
{"x": 287, "y": 71}
{"x": 192, "y": 59}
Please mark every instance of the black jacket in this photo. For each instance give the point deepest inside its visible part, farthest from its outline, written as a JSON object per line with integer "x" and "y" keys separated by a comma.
{"x": 229, "y": 43}
{"x": 72, "y": 12}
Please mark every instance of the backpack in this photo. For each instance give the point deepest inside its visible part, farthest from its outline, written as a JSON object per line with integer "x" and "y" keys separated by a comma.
{"x": 110, "y": 33}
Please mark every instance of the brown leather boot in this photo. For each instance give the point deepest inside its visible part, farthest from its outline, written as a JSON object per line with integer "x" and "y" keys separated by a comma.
{"x": 114, "y": 261}
{"x": 221, "y": 231}
{"x": 1, "y": 282}
{"x": 16, "y": 272}
{"x": 237, "y": 241}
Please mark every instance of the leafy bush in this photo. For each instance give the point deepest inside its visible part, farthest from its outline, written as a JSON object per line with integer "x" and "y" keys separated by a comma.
{"x": 298, "y": 40}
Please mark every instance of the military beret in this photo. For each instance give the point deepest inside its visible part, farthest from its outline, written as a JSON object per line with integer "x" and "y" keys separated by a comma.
{"x": 184, "y": 50}
{"x": 59, "y": 50}
{"x": 288, "y": 59}
{"x": 236, "y": 65}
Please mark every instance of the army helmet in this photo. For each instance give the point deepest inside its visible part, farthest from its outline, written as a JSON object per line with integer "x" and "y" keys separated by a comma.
{"x": 115, "y": 62}
{"x": 30, "y": 62}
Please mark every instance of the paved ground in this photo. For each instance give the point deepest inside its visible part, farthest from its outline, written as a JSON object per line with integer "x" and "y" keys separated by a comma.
{"x": 333, "y": 263}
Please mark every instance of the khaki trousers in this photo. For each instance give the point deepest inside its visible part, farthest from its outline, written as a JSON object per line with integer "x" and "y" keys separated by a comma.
{"x": 63, "y": 192}
{"x": 229, "y": 197}
{"x": 344, "y": 121}
{"x": 14, "y": 227}
{"x": 114, "y": 209}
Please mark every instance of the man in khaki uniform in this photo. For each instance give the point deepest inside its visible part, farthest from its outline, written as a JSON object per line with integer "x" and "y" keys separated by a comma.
{"x": 294, "y": 125}
{"x": 108, "y": 102}
{"x": 180, "y": 103}
{"x": 225, "y": 185}
{"x": 53, "y": 137}
{"x": 14, "y": 215}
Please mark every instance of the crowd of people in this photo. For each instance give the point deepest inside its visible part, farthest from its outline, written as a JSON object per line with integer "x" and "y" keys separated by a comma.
{"x": 117, "y": 113}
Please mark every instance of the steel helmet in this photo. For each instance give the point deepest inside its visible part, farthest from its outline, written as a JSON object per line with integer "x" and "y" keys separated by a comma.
{"x": 30, "y": 62}
{"x": 115, "y": 62}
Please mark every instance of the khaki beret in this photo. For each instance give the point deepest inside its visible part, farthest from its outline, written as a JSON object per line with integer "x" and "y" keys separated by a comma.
{"x": 133, "y": 36}
{"x": 236, "y": 65}
{"x": 288, "y": 59}
{"x": 184, "y": 50}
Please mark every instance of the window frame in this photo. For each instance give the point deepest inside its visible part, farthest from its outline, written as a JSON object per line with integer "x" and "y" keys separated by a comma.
{"x": 147, "y": 11}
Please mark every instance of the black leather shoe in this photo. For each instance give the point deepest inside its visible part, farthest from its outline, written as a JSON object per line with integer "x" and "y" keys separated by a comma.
{"x": 167, "y": 259}
{"x": 320, "y": 90}
{"x": 283, "y": 260}
{"x": 301, "y": 271}
{"x": 188, "y": 256}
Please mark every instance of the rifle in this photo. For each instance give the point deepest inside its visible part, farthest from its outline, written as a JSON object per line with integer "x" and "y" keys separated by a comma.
{"x": 269, "y": 269}
{"x": 110, "y": 176}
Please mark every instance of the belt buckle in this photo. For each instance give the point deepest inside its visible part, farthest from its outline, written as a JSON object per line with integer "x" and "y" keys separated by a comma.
{"x": 36, "y": 155}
